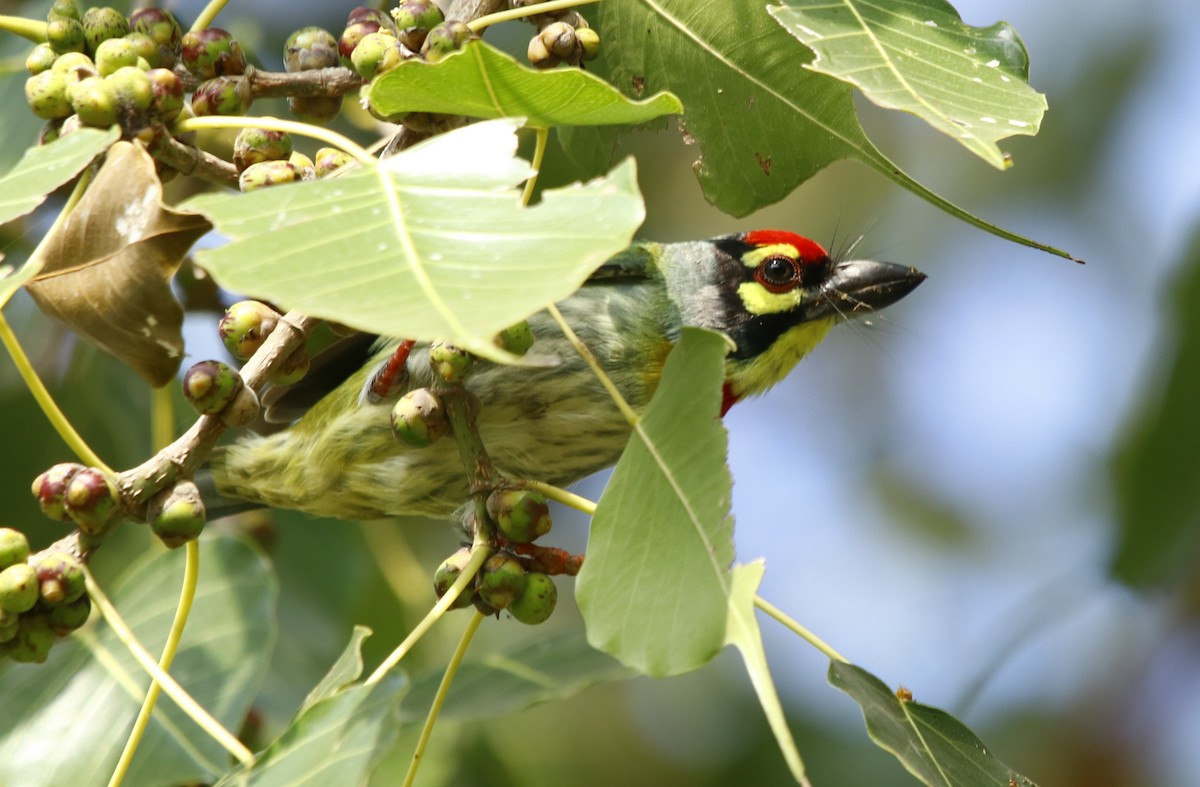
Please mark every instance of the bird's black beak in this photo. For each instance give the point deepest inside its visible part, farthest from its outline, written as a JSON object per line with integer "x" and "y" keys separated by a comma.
{"x": 855, "y": 287}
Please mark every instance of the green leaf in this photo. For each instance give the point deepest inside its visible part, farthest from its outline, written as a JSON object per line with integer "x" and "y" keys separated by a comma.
{"x": 655, "y": 587}
{"x": 481, "y": 81}
{"x": 743, "y": 633}
{"x": 46, "y": 167}
{"x": 39, "y": 172}
{"x": 66, "y": 721}
{"x": 1157, "y": 464}
{"x": 933, "y": 745}
{"x": 970, "y": 83}
{"x": 339, "y": 735}
{"x": 433, "y": 244}
{"x": 764, "y": 123}
{"x": 538, "y": 669}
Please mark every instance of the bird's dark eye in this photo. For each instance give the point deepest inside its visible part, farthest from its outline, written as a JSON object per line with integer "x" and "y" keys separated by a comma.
{"x": 778, "y": 274}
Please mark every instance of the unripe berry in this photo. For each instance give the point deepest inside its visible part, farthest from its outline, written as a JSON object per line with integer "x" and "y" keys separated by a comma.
{"x": 561, "y": 40}
{"x": 163, "y": 29}
{"x": 310, "y": 48}
{"x": 91, "y": 499}
{"x": 167, "y": 94}
{"x": 260, "y": 144}
{"x": 501, "y": 580}
{"x": 177, "y": 515}
{"x": 414, "y": 19}
{"x": 419, "y": 418}
{"x": 293, "y": 369}
{"x": 448, "y": 573}
{"x": 94, "y": 101}
{"x": 74, "y": 66}
{"x": 315, "y": 109}
{"x": 589, "y": 41}
{"x": 132, "y": 88}
{"x": 516, "y": 339}
{"x": 14, "y": 547}
{"x": 209, "y": 386}
{"x": 212, "y": 52}
{"x": 46, "y": 94}
{"x": 450, "y": 363}
{"x": 221, "y": 96}
{"x": 350, "y": 38}
{"x": 65, "y": 618}
{"x": 445, "y": 38}
{"x": 376, "y": 54}
{"x": 540, "y": 55}
{"x": 50, "y": 486}
{"x": 115, "y": 53}
{"x": 64, "y": 8}
{"x": 267, "y": 173}
{"x": 145, "y": 47}
{"x": 364, "y": 14}
{"x": 40, "y": 59}
{"x": 537, "y": 601}
{"x": 102, "y": 24}
{"x": 245, "y": 326}
{"x": 522, "y": 515}
{"x": 60, "y": 578}
{"x": 18, "y": 588}
{"x": 64, "y": 34}
{"x": 330, "y": 160}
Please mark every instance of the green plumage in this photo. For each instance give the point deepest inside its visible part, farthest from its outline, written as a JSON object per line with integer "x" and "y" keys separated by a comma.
{"x": 548, "y": 419}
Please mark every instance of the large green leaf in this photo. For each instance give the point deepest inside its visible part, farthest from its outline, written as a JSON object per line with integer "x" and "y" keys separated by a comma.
{"x": 763, "y": 122}
{"x": 655, "y": 587}
{"x": 433, "y": 244}
{"x": 340, "y": 733}
{"x": 540, "y": 668}
{"x": 1156, "y": 467}
{"x": 481, "y": 81}
{"x": 933, "y": 745}
{"x": 970, "y": 83}
{"x": 66, "y": 721}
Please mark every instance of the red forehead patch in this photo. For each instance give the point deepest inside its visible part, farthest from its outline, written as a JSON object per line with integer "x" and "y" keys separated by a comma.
{"x": 810, "y": 251}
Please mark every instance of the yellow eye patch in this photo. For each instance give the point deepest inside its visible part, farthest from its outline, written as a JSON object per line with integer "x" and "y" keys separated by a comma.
{"x": 751, "y": 259}
{"x": 759, "y": 300}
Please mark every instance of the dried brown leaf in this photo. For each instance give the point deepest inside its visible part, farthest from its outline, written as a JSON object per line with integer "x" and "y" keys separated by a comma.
{"x": 109, "y": 266}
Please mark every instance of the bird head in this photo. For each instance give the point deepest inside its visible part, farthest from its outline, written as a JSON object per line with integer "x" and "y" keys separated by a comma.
{"x": 776, "y": 294}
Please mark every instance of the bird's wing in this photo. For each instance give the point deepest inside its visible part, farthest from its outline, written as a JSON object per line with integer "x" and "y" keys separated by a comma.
{"x": 331, "y": 367}
{"x": 639, "y": 261}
